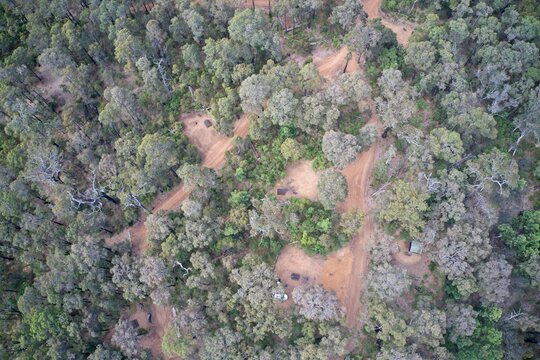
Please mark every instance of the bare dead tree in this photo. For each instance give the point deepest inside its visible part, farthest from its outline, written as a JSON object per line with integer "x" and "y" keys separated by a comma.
{"x": 380, "y": 190}
{"x": 184, "y": 269}
{"x": 514, "y": 315}
{"x": 132, "y": 199}
{"x": 91, "y": 197}
{"x": 45, "y": 166}
{"x": 163, "y": 74}
{"x": 432, "y": 184}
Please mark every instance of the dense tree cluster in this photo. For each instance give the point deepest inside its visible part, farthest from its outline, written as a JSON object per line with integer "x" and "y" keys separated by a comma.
{"x": 456, "y": 107}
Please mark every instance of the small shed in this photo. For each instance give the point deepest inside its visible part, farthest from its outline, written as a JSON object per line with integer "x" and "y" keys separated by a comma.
{"x": 207, "y": 123}
{"x": 295, "y": 276}
{"x": 415, "y": 247}
{"x": 282, "y": 191}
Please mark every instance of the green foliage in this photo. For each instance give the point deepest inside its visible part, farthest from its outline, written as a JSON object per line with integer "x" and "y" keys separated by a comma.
{"x": 269, "y": 248}
{"x": 451, "y": 291}
{"x": 175, "y": 344}
{"x": 312, "y": 226}
{"x": 45, "y": 323}
{"x": 506, "y": 135}
{"x": 313, "y": 151}
{"x": 270, "y": 164}
{"x": 10, "y": 153}
{"x": 399, "y": 6}
{"x": 239, "y": 198}
{"x": 486, "y": 341}
{"x": 292, "y": 150}
{"x": 391, "y": 59}
{"x": 12, "y": 32}
{"x": 523, "y": 234}
{"x": 405, "y": 207}
{"x": 299, "y": 41}
{"x": 529, "y": 7}
{"x": 180, "y": 102}
{"x": 352, "y": 122}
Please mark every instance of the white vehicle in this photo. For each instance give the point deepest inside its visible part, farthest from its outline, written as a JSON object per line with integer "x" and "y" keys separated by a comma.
{"x": 281, "y": 297}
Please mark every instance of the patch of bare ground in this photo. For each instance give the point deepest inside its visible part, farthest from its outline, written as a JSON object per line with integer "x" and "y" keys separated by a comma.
{"x": 301, "y": 180}
{"x": 161, "y": 316}
{"x": 331, "y": 63}
{"x": 342, "y": 271}
{"x": 417, "y": 266}
{"x": 258, "y": 4}
{"x": 402, "y": 29}
{"x": 213, "y": 147}
{"x": 330, "y": 271}
{"x": 52, "y": 88}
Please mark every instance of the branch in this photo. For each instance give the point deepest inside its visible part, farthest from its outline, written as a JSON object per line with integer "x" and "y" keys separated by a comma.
{"x": 381, "y": 189}
{"x": 185, "y": 270}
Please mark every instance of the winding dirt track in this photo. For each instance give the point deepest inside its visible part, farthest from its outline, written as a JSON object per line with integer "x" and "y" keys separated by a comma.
{"x": 344, "y": 270}
{"x": 358, "y": 176}
{"x": 213, "y": 147}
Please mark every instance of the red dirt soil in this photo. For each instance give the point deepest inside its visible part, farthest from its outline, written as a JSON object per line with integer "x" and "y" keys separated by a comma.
{"x": 301, "y": 180}
{"x": 402, "y": 29}
{"x": 342, "y": 271}
{"x": 358, "y": 176}
{"x": 213, "y": 147}
{"x": 259, "y": 4}
{"x": 331, "y": 64}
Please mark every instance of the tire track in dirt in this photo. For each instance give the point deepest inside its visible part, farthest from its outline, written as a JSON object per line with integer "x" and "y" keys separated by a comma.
{"x": 358, "y": 176}
{"x": 331, "y": 64}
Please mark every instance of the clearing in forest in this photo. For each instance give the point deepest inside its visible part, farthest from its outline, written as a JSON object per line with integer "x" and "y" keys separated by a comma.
{"x": 331, "y": 272}
{"x": 402, "y": 29}
{"x": 301, "y": 181}
{"x": 213, "y": 147}
{"x": 333, "y": 63}
{"x": 52, "y": 88}
{"x": 342, "y": 271}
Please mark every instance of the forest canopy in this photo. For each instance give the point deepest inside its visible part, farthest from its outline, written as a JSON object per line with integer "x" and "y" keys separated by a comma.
{"x": 281, "y": 179}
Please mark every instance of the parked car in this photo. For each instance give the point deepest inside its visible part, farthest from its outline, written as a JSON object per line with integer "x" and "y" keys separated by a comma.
{"x": 281, "y": 297}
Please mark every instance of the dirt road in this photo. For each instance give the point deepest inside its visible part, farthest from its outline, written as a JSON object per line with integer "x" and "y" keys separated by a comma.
{"x": 402, "y": 29}
{"x": 213, "y": 147}
{"x": 342, "y": 271}
{"x": 211, "y": 144}
{"x": 358, "y": 176}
